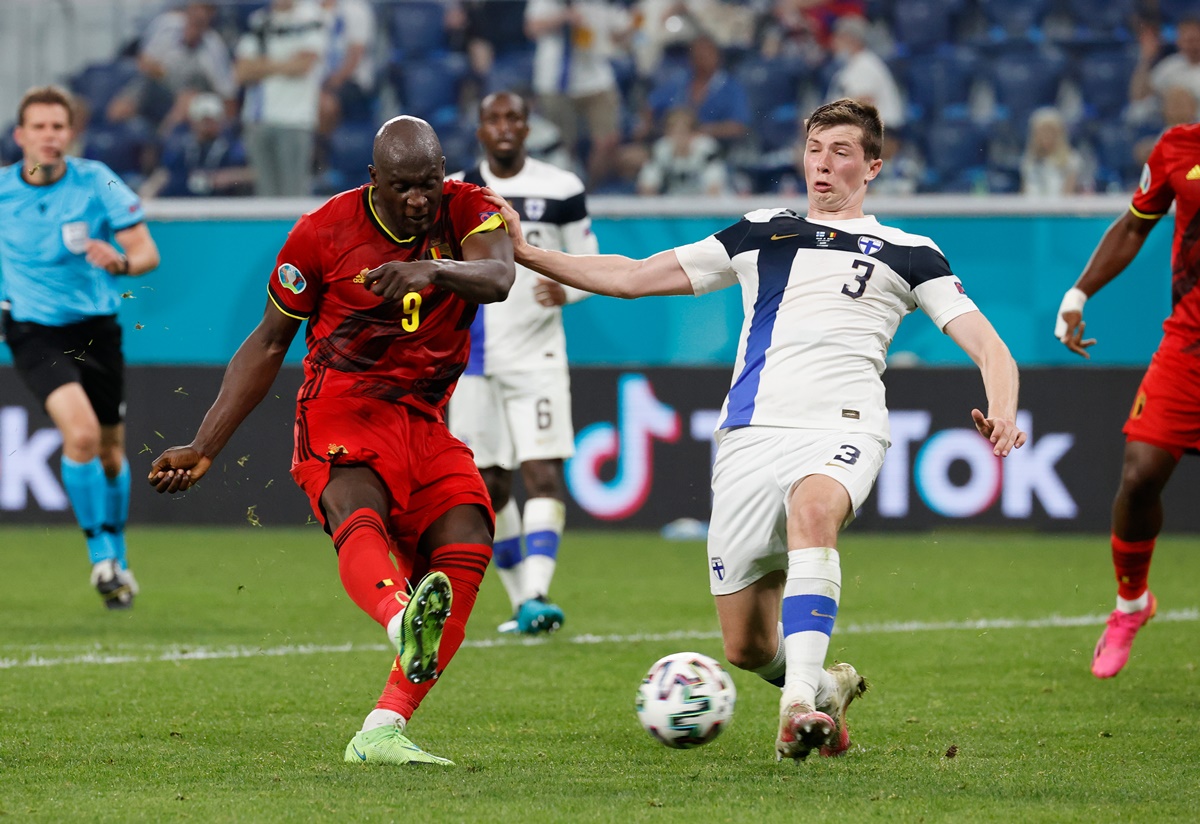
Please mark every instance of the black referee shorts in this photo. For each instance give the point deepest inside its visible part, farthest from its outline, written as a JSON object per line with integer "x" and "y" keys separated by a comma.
{"x": 87, "y": 353}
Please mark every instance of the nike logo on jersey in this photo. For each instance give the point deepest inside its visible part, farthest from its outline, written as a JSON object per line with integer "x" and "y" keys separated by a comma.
{"x": 1194, "y": 174}
{"x": 784, "y": 237}
{"x": 816, "y": 614}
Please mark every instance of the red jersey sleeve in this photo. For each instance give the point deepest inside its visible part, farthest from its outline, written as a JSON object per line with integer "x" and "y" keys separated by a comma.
{"x": 296, "y": 282}
{"x": 470, "y": 213}
{"x": 1154, "y": 194}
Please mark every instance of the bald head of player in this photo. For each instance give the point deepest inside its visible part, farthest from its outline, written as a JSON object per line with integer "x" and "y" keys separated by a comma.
{"x": 407, "y": 171}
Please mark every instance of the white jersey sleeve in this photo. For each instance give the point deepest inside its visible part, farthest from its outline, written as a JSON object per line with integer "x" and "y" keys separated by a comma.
{"x": 822, "y": 302}
{"x": 519, "y": 334}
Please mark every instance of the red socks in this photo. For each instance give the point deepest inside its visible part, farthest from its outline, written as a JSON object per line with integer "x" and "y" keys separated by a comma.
{"x": 1131, "y": 560}
{"x": 464, "y": 565}
{"x": 366, "y": 566}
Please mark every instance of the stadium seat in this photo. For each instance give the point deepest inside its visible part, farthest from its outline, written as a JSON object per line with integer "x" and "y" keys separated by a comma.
{"x": 1113, "y": 143}
{"x": 99, "y": 83}
{"x": 1103, "y": 80}
{"x": 953, "y": 149}
{"x": 769, "y": 84}
{"x": 1023, "y": 82}
{"x": 1100, "y": 17}
{"x": 1015, "y": 17}
{"x": 460, "y": 147}
{"x": 780, "y": 128}
{"x": 942, "y": 79}
{"x": 1173, "y": 11}
{"x": 512, "y": 71}
{"x": 418, "y": 27}
{"x": 921, "y": 26}
{"x": 431, "y": 84}
{"x": 119, "y": 146}
{"x": 349, "y": 155}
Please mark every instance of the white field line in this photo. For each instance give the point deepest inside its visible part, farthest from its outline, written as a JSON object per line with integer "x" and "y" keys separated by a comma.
{"x": 44, "y": 655}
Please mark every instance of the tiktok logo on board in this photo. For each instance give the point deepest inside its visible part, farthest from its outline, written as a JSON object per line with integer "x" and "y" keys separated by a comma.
{"x": 641, "y": 420}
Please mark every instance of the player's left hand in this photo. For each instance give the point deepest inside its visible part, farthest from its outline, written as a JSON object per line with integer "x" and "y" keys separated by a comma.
{"x": 549, "y": 293}
{"x": 1003, "y": 433}
{"x": 395, "y": 279}
{"x": 105, "y": 256}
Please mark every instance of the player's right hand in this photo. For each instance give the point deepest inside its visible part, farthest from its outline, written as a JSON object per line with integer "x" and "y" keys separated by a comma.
{"x": 1069, "y": 325}
{"x": 512, "y": 221}
{"x": 177, "y": 469}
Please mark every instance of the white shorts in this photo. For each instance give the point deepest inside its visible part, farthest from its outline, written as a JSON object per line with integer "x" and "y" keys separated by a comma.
{"x": 753, "y": 475}
{"x": 507, "y": 420}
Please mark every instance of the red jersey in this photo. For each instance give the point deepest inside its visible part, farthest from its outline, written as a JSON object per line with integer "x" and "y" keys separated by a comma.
{"x": 1173, "y": 173}
{"x": 359, "y": 345}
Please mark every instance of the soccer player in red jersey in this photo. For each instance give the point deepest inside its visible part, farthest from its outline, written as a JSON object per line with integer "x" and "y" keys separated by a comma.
{"x": 1165, "y": 419}
{"x": 388, "y": 277}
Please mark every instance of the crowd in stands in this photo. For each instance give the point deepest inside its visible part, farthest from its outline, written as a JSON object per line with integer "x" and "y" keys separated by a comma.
{"x": 692, "y": 97}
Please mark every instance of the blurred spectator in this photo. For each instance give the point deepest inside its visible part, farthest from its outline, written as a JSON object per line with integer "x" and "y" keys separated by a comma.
{"x": 1179, "y": 106}
{"x": 205, "y": 159}
{"x": 671, "y": 25}
{"x": 348, "y": 90}
{"x": 489, "y": 28}
{"x": 862, "y": 74}
{"x": 1050, "y": 167}
{"x": 279, "y": 62}
{"x": 573, "y": 76}
{"x": 1151, "y": 79}
{"x": 803, "y": 28}
{"x": 903, "y": 167}
{"x": 718, "y": 100}
{"x": 180, "y": 55}
{"x": 684, "y": 161}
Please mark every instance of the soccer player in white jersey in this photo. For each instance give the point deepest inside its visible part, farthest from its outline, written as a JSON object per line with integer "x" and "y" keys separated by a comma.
{"x": 804, "y": 428}
{"x": 513, "y": 404}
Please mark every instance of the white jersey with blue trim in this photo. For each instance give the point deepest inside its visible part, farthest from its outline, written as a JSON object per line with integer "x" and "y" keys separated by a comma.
{"x": 518, "y": 334}
{"x": 44, "y": 230}
{"x": 822, "y": 301}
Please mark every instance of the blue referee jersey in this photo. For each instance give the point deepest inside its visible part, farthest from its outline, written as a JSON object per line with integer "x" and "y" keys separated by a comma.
{"x": 44, "y": 272}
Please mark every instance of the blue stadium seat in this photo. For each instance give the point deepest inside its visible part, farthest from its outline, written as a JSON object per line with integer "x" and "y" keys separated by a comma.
{"x": 119, "y": 146}
{"x": 780, "y": 128}
{"x": 1173, "y": 11}
{"x": 942, "y": 79}
{"x": 459, "y": 146}
{"x": 1113, "y": 143}
{"x": 1103, "y": 80}
{"x": 1107, "y": 16}
{"x": 99, "y": 83}
{"x": 769, "y": 84}
{"x": 349, "y": 155}
{"x": 921, "y": 26}
{"x": 431, "y": 84}
{"x": 418, "y": 27}
{"x": 1015, "y": 16}
{"x": 1023, "y": 82}
{"x": 953, "y": 150}
{"x": 512, "y": 71}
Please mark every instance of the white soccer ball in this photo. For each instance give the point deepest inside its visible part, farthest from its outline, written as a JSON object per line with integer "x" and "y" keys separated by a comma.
{"x": 685, "y": 700}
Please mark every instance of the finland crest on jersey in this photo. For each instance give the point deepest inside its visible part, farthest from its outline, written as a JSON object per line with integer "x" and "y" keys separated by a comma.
{"x": 822, "y": 302}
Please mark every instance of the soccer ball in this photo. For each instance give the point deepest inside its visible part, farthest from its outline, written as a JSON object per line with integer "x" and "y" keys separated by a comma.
{"x": 685, "y": 700}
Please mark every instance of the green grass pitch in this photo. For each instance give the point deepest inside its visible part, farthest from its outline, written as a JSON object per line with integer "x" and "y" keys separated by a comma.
{"x": 228, "y": 694}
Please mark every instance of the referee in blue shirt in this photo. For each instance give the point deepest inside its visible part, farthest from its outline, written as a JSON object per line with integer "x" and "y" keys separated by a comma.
{"x": 70, "y": 229}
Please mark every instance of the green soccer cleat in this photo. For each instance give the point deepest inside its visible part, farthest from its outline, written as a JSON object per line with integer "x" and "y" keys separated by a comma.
{"x": 388, "y": 745}
{"x": 418, "y": 633}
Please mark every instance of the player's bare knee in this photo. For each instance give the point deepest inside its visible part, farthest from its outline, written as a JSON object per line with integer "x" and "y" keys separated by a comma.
{"x": 543, "y": 479}
{"x": 747, "y": 655}
{"x": 81, "y": 443}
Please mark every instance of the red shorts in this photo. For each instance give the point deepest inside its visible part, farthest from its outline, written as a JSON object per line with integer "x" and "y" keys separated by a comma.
{"x": 1166, "y": 410}
{"x": 426, "y": 470}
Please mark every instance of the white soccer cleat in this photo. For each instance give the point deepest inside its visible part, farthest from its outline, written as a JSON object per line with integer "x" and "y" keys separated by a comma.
{"x": 848, "y": 685}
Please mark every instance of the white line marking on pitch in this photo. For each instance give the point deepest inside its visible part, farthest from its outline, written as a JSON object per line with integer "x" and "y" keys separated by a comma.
{"x": 34, "y": 655}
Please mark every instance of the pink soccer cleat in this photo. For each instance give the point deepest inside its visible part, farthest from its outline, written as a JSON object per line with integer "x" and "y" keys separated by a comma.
{"x": 802, "y": 730}
{"x": 850, "y": 685}
{"x": 1112, "y": 650}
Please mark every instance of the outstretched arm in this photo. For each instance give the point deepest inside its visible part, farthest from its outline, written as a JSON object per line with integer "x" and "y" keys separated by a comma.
{"x": 247, "y": 381}
{"x": 978, "y": 339}
{"x": 1116, "y": 250}
{"x": 614, "y": 275}
{"x": 484, "y": 275}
